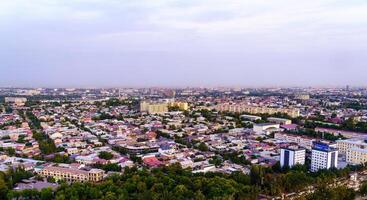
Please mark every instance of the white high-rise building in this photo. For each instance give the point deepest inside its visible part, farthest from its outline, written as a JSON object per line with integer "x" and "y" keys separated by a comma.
{"x": 291, "y": 156}
{"x": 323, "y": 157}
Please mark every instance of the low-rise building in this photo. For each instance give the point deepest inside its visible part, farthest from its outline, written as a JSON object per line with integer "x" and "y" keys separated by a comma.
{"x": 345, "y": 145}
{"x": 265, "y": 127}
{"x": 356, "y": 156}
{"x": 250, "y": 117}
{"x": 302, "y": 141}
{"x": 72, "y": 174}
{"x": 281, "y": 121}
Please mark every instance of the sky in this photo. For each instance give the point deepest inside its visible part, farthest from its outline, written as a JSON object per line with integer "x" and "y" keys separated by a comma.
{"x": 171, "y": 43}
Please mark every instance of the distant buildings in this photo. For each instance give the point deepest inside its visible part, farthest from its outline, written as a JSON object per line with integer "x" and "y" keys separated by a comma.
{"x": 180, "y": 105}
{"x": 153, "y": 108}
{"x": 239, "y": 108}
{"x": 161, "y": 107}
{"x": 347, "y": 134}
{"x": 17, "y": 101}
{"x": 323, "y": 156}
{"x": 291, "y": 156}
{"x": 302, "y": 96}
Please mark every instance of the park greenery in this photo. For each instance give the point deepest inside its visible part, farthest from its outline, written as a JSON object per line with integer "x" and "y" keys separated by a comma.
{"x": 173, "y": 182}
{"x": 105, "y": 155}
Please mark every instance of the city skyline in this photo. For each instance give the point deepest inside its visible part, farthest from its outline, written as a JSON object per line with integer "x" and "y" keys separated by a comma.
{"x": 183, "y": 44}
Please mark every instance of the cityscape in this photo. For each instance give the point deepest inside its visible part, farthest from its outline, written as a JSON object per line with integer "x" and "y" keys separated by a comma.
{"x": 183, "y": 100}
{"x": 269, "y": 143}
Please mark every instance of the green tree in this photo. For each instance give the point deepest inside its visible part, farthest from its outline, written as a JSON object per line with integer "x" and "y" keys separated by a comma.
{"x": 363, "y": 189}
{"x": 203, "y": 147}
{"x": 46, "y": 194}
{"x": 105, "y": 155}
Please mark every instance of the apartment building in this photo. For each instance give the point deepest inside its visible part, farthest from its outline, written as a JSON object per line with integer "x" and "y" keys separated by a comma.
{"x": 239, "y": 108}
{"x": 356, "y": 156}
{"x": 72, "y": 174}
{"x": 153, "y": 108}
{"x": 18, "y": 101}
{"x": 345, "y": 145}
{"x": 355, "y": 150}
{"x": 180, "y": 105}
{"x": 162, "y": 106}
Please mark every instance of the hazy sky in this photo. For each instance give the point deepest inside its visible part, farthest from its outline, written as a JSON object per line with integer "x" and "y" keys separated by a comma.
{"x": 107, "y": 43}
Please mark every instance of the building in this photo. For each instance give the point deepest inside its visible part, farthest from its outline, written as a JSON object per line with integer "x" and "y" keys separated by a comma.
{"x": 140, "y": 148}
{"x": 180, "y": 105}
{"x": 323, "y": 156}
{"x": 281, "y": 121}
{"x": 18, "y": 101}
{"x": 250, "y": 117}
{"x": 153, "y": 108}
{"x": 162, "y": 106}
{"x": 347, "y": 134}
{"x": 265, "y": 128}
{"x": 291, "y": 156}
{"x": 355, "y": 150}
{"x": 302, "y": 141}
{"x": 345, "y": 145}
{"x": 302, "y": 96}
{"x": 356, "y": 156}
{"x": 72, "y": 174}
{"x": 244, "y": 108}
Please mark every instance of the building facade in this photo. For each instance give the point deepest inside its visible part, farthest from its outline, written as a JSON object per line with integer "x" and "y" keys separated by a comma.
{"x": 72, "y": 174}
{"x": 323, "y": 156}
{"x": 292, "y": 156}
{"x": 240, "y": 108}
{"x": 302, "y": 141}
{"x": 356, "y": 156}
{"x": 345, "y": 145}
{"x": 153, "y": 108}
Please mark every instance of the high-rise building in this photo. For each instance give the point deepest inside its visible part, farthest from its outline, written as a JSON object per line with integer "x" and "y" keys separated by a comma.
{"x": 291, "y": 156}
{"x": 323, "y": 156}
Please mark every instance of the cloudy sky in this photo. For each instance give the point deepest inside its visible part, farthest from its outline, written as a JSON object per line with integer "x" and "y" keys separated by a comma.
{"x": 107, "y": 43}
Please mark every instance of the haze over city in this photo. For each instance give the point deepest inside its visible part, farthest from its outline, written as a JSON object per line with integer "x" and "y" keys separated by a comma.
{"x": 183, "y": 99}
{"x": 96, "y": 43}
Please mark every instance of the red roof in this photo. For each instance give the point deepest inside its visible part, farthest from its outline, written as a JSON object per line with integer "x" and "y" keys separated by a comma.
{"x": 289, "y": 126}
{"x": 152, "y": 161}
